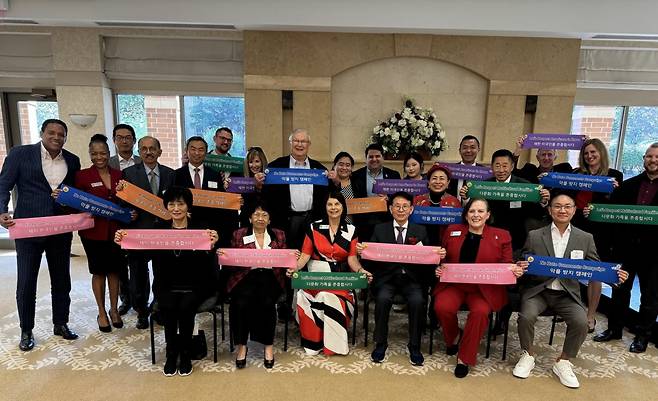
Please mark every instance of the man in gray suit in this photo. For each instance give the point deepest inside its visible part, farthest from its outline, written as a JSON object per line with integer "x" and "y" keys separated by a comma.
{"x": 124, "y": 139}
{"x": 153, "y": 177}
{"x": 560, "y": 295}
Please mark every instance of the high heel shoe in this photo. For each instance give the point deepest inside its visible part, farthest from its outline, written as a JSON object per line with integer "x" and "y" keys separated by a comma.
{"x": 118, "y": 323}
{"x": 268, "y": 363}
{"x": 591, "y": 327}
{"x": 104, "y": 329}
{"x": 241, "y": 363}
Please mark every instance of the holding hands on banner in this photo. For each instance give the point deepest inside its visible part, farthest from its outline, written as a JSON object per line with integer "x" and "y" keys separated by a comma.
{"x": 480, "y": 273}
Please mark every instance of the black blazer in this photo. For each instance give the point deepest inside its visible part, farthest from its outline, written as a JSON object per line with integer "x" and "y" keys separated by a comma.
{"x": 531, "y": 172}
{"x": 137, "y": 175}
{"x": 359, "y": 181}
{"x": 384, "y": 271}
{"x": 278, "y": 196}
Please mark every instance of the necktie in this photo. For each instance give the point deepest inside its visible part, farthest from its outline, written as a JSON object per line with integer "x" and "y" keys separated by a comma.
{"x": 399, "y": 239}
{"x": 197, "y": 178}
{"x": 153, "y": 182}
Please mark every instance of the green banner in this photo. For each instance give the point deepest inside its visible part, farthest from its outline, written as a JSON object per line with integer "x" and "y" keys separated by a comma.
{"x": 513, "y": 192}
{"x": 329, "y": 281}
{"x": 628, "y": 214}
{"x": 224, "y": 163}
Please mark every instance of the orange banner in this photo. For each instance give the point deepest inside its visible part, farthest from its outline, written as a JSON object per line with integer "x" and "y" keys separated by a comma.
{"x": 366, "y": 205}
{"x": 142, "y": 199}
{"x": 216, "y": 199}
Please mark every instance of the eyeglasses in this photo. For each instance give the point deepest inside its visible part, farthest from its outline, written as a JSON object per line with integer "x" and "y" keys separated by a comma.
{"x": 120, "y": 138}
{"x": 300, "y": 141}
{"x": 563, "y": 207}
{"x": 225, "y": 139}
{"x": 403, "y": 208}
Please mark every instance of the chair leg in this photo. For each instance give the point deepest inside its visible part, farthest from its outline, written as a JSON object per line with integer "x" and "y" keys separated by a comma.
{"x": 231, "y": 343}
{"x": 366, "y": 316}
{"x": 152, "y": 339}
{"x": 285, "y": 334}
{"x": 550, "y": 338}
{"x": 505, "y": 336}
{"x": 223, "y": 329}
{"x": 355, "y": 317}
{"x": 214, "y": 335}
{"x": 489, "y": 333}
{"x": 431, "y": 339}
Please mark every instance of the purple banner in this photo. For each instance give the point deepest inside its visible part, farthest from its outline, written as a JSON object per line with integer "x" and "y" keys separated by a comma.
{"x": 466, "y": 172}
{"x": 553, "y": 141}
{"x": 241, "y": 185}
{"x": 388, "y": 187}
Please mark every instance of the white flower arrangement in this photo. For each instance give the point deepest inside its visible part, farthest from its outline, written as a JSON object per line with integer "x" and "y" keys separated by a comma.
{"x": 410, "y": 130}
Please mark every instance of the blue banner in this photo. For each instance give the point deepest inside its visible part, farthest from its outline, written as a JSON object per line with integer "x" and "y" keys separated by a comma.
{"x": 578, "y": 269}
{"x": 292, "y": 176}
{"x": 89, "y": 203}
{"x": 436, "y": 215}
{"x": 578, "y": 182}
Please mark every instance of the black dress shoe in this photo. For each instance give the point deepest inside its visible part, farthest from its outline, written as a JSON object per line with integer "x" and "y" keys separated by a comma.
{"x": 607, "y": 335}
{"x": 639, "y": 345}
{"x": 268, "y": 363}
{"x": 116, "y": 320}
{"x": 123, "y": 309}
{"x": 461, "y": 370}
{"x": 27, "y": 341}
{"x": 453, "y": 349}
{"x": 104, "y": 329}
{"x": 63, "y": 331}
{"x": 241, "y": 363}
{"x": 142, "y": 322}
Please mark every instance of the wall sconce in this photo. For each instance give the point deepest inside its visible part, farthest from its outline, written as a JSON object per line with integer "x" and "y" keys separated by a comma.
{"x": 82, "y": 120}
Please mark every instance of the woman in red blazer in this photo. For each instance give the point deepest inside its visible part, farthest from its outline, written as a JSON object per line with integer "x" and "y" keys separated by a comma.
{"x": 98, "y": 242}
{"x": 473, "y": 241}
{"x": 438, "y": 180}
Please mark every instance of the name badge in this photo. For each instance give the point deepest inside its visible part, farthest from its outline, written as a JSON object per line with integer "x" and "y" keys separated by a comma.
{"x": 515, "y": 205}
{"x": 96, "y": 184}
{"x": 577, "y": 254}
{"x": 212, "y": 184}
{"x": 248, "y": 239}
{"x": 419, "y": 243}
{"x": 455, "y": 233}
{"x": 323, "y": 227}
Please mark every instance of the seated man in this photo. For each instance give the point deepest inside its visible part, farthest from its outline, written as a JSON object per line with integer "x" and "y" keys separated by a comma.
{"x": 562, "y": 296}
{"x": 412, "y": 281}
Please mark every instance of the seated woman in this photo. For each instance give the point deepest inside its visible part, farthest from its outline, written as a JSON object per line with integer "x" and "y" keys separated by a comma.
{"x": 438, "y": 179}
{"x": 473, "y": 241}
{"x": 183, "y": 279}
{"x": 254, "y": 291}
{"x": 329, "y": 245}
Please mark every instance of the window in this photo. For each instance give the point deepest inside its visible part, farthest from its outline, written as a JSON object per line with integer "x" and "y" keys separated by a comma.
{"x": 627, "y": 131}
{"x": 173, "y": 119}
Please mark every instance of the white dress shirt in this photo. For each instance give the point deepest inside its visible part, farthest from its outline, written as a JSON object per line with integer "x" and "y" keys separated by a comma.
{"x": 124, "y": 163}
{"x": 370, "y": 180}
{"x": 560, "y": 242}
{"x": 301, "y": 195}
{"x": 191, "y": 168}
{"x": 404, "y": 230}
{"x": 460, "y": 183}
{"x": 53, "y": 169}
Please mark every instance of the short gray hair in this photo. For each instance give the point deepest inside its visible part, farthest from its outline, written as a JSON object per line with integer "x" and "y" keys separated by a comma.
{"x": 297, "y": 131}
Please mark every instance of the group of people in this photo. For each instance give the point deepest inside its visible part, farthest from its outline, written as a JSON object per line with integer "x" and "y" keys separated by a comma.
{"x": 313, "y": 219}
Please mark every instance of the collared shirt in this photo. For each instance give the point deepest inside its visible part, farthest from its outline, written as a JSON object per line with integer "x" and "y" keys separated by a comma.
{"x": 266, "y": 245}
{"x": 191, "y": 168}
{"x": 370, "y": 180}
{"x": 156, "y": 170}
{"x": 301, "y": 195}
{"x": 460, "y": 183}
{"x": 648, "y": 189}
{"x": 123, "y": 163}
{"x": 560, "y": 242}
{"x": 405, "y": 226}
{"x": 53, "y": 169}
{"x": 214, "y": 152}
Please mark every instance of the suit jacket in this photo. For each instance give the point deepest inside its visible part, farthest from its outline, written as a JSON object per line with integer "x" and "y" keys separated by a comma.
{"x": 495, "y": 247}
{"x": 137, "y": 175}
{"x": 452, "y": 185}
{"x": 114, "y": 161}
{"x": 236, "y": 274}
{"x": 359, "y": 181}
{"x": 540, "y": 242}
{"x": 278, "y": 196}
{"x": 88, "y": 180}
{"x": 23, "y": 169}
{"x": 385, "y": 271}
{"x": 366, "y": 221}
{"x": 531, "y": 172}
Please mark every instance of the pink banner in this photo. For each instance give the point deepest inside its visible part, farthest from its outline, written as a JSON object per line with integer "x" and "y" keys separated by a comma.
{"x": 241, "y": 257}
{"x": 196, "y": 240}
{"x": 50, "y": 225}
{"x": 415, "y": 254}
{"x": 478, "y": 273}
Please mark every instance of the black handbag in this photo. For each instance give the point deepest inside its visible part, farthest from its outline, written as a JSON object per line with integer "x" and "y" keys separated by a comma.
{"x": 199, "y": 348}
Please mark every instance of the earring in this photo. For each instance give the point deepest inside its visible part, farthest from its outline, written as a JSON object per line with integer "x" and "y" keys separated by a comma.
{"x": 189, "y": 215}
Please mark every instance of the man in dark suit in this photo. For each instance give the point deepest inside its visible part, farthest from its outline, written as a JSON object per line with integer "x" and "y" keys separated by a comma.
{"x": 635, "y": 246}
{"x": 546, "y": 163}
{"x": 36, "y": 171}
{"x": 153, "y": 177}
{"x": 363, "y": 180}
{"x": 124, "y": 139}
{"x": 469, "y": 148}
{"x": 560, "y": 295}
{"x": 412, "y": 281}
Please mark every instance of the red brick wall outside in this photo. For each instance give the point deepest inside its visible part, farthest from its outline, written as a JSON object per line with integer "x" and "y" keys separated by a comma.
{"x": 596, "y": 127}
{"x": 162, "y": 123}
{"x": 24, "y": 118}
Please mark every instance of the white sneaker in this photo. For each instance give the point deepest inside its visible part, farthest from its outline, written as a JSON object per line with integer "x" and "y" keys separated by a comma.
{"x": 524, "y": 366}
{"x": 563, "y": 370}
{"x": 312, "y": 352}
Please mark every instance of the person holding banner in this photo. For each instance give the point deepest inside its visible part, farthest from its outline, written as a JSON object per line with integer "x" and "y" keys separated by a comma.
{"x": 329, "y": 246}
{"x": 559, "y": 294}
{"x": 103, "y": 255}
{"x": 413, "y": 166}
{"x": 473, "y": 241}
{"x": 153, "y": 177}
{"x": 36, "y": 171}
{"x": 254, "y": 291}
{"x": 546, "y": 163}
{"x": 254, "y": 166}
{"x": 469, "y": 147}
{"x": 183, "y": 279}
{"x": 594, "y": 160}
{"x": 438, "y": 180}
{"x": 637, "y": 251}
{"x": 340, "y": 177}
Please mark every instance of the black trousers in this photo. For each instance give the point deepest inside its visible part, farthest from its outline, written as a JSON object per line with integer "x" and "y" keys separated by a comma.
{"x": 252, "y": 308}
{"x": 140, "y": 283}
{"x": 178, "y": 309}
{"x": 124, "y": 278}
{"x": 28, "y": 261}
{"x": 416, "y": 304}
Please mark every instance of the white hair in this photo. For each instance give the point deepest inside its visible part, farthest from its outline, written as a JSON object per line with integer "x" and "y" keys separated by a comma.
{"x": 297, "y": 131}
